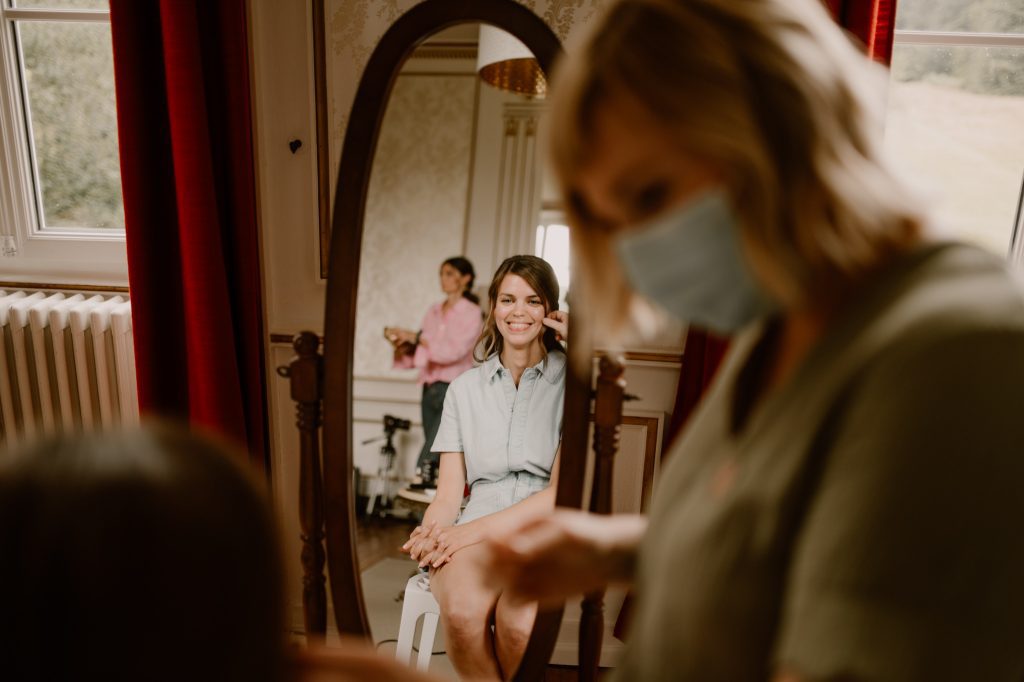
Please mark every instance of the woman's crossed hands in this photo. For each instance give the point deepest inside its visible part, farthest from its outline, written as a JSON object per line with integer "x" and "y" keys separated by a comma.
{"x": 433, "y": 545}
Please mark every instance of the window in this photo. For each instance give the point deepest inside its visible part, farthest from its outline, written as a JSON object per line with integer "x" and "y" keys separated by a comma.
{"x": 61, "y": 216}
{"x": 956, "y": 112}
{"x": 553, "y": 246}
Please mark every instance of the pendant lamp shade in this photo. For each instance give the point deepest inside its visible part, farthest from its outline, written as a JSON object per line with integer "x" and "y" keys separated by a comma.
{"x": 504, "y": 62}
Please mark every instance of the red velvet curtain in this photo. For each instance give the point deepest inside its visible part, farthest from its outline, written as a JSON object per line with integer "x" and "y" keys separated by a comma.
{"x": 872, "y": 21}
{"x": 702, "y": 354}
{"x": 184, "y": 124}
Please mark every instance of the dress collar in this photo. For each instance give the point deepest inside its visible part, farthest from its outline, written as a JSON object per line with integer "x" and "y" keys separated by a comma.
{"x": 551, "y": 368}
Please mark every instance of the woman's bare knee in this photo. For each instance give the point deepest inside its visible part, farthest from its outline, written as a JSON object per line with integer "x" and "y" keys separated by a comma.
{"x": 466, "y": 608}
{"x": 466, "y": 613}
{"x": 513, "y": 624}
{"x": 514, "y": 634}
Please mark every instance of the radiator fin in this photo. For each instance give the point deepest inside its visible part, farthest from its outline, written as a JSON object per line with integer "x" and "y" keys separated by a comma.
{"x": 66, "y": 363}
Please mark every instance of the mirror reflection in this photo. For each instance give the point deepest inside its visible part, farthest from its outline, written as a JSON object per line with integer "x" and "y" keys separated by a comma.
{"x": 459, "y": 350}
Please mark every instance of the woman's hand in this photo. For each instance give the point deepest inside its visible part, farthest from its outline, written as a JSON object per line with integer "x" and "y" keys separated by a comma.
{"x": 422, "y": 542}
{"x": 559, "y": 321}
{"x": 567, "y": 553}
{"x": 398, "y": 336}
{"x": 403, "y": 350}
{"x": 442, "y": 512}
{"x": 453, "y": 538}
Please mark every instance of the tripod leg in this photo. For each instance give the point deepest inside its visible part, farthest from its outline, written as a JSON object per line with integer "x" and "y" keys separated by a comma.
{"x": 370, "y": 502}
{"x": 386, "y": 494}
{"x": 380, "y": 485}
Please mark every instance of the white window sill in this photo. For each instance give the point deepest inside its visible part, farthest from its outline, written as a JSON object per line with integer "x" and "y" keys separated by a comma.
{"x": 100, "y": 263}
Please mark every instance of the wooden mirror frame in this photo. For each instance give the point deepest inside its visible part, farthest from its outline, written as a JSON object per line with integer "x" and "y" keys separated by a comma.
{"x": 423, "y": 20}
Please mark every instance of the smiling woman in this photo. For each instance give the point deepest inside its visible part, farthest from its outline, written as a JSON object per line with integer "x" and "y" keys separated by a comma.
{"x": 500, "y": 434}
{"x": 533, "y": 280}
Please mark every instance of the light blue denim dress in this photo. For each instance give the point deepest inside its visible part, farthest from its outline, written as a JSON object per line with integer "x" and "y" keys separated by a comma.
{"x": 508, "y": 436}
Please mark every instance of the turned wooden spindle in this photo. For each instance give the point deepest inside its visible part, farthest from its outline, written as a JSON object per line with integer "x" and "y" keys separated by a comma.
{"x": 611, "y": 390}
{"x": 305, "y": 373}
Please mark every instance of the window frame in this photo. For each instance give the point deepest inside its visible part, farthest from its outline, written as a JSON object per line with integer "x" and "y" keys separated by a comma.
{"x": 1015, "y": 245}
{"x": 51, "y": 255}
{"x": 1016, "y": 254}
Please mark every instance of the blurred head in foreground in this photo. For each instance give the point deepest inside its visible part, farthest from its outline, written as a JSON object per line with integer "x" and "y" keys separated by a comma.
{"x": 143, "y": 555}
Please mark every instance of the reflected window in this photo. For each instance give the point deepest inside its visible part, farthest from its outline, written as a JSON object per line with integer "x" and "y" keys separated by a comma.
{"x": 553, "y": 246}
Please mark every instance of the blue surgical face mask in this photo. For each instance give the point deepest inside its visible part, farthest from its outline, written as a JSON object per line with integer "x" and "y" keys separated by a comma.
{"x": 690, "y": 262}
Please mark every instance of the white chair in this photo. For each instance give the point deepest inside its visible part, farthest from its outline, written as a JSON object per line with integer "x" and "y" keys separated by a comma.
{"x": 418, "y": 602}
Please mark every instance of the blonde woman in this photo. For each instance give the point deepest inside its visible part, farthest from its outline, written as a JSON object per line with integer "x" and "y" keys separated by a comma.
{"x": 846, "y": 502}
{"x": 500, "y": 432}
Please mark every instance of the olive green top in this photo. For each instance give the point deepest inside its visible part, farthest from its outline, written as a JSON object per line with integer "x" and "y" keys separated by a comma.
{"x": 865, "y": 521}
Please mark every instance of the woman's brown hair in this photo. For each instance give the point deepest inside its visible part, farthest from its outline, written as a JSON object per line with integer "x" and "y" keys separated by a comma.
{"x": 539, "y": 274}
{"x": 147, "y": 554}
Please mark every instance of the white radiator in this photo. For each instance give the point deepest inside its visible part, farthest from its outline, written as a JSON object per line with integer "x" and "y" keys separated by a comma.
{"x": 66, "y": 363}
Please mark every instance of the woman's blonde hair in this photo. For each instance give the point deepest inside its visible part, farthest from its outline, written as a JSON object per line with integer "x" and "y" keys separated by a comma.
{"x": 774, "y": 97}
{"x": 539, "y": 274}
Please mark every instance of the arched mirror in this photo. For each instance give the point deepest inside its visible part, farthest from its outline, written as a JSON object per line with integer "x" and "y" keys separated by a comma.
{"x": 441, "y": 158}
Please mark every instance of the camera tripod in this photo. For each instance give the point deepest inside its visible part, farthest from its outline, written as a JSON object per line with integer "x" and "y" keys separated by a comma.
{"x": 381, "y": 491}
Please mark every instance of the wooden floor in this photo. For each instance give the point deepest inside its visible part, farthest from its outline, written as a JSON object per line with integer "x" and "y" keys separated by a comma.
{"x": 378, "y": 539}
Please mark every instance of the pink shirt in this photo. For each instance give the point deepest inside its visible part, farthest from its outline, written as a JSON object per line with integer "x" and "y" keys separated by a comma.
{"x": 450, "y": 336}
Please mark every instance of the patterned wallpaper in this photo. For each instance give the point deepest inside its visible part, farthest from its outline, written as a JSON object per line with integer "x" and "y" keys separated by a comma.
{"x": 415, "y": 209}
{"x": 353, "y": 28}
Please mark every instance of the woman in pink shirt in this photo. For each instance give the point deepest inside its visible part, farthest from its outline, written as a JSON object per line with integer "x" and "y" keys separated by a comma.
{"x": 442, "y": 349}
